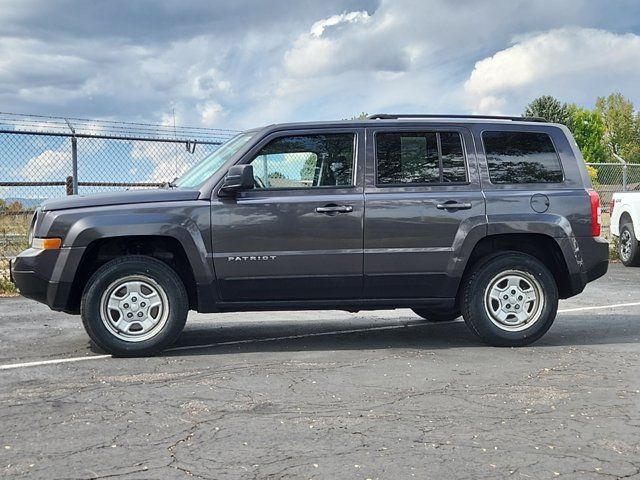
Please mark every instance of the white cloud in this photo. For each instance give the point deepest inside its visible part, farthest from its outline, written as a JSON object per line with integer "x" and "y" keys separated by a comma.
{"x": 168, "y": 163}
{"x": 51, "y": 165}
{"x": 210, "y": 113}
{"x": 353, "y": 41}
{"x": 209, "y": 83}
{"x": 575, "y": 64}
{"x": 318, "y": 28}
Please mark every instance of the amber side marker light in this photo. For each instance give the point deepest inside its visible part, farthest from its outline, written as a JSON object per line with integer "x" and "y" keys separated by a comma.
{"x": 47, "y": 243}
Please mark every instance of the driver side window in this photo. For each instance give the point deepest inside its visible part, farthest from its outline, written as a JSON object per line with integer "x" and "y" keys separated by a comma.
{"x": 304, "y": 161}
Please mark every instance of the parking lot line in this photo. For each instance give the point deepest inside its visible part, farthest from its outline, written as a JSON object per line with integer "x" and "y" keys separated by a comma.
{"x": 12, "y": 366}
{"x": 599, "y": 307}
{"x": 52, "y": 362}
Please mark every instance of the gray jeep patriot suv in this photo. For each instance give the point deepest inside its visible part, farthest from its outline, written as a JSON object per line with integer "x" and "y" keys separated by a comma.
{"x": 491, "y": 218}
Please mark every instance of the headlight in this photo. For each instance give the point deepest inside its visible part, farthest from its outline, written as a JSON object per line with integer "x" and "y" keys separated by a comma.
{"x": 47, "y": 243}
{"x": 32, "y": 227}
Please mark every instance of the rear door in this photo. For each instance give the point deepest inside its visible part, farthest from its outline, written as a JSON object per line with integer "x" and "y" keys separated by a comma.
{"x": 299, "y": 234}
{"x": 422, "y": 198}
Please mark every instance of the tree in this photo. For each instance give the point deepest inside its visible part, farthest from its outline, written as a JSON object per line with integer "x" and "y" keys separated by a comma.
{"x": 308, "y": 170}
{"x": 549, "y": 108}
{"x": 588, "y": 129}
{"x": 15, "y": 206}
{"x": 622, "y": 129}
{"x": 362, "y": 116}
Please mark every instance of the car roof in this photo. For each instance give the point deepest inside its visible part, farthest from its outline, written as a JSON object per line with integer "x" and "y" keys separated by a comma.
{"x": 393, "y": 120}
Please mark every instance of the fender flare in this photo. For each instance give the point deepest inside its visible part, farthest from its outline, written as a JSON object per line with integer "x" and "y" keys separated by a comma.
{"x": 184, "y": 229}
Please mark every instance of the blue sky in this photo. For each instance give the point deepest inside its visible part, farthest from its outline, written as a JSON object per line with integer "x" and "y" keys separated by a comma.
{"x": 242, "y": 63}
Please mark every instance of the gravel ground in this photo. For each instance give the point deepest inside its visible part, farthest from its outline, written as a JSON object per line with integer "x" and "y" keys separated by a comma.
{"x": 328, "y": 395}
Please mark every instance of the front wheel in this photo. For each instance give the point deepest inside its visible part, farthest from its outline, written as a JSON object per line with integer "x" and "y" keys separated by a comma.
{"x": 628, "y": 248}
{"x": 510, "y": 300}
{"x": 134, "y": 306}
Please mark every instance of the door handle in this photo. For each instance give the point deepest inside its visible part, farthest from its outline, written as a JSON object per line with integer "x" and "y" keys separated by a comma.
{"x": 331, "y": 209}
{"x": 451, "y": 205}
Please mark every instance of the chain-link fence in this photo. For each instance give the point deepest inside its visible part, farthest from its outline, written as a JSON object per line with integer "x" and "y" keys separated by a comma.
{"x": 47, "y": 157}
{"x": 609, "y": 178}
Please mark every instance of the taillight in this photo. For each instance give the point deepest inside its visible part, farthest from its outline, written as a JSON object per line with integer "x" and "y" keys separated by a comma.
{"x": 611, "y": 205}
{"x": 596, "y": 213}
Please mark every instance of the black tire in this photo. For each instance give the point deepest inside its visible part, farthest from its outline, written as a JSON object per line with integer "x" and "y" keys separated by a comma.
{"x": 486, "y": 277}
{"x": 435, "y": 315}
{"x": 628, "y": 248}
{"x": 146, "y": 274}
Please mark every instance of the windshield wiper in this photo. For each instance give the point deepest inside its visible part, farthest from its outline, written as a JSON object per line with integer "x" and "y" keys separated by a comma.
{"x": 171, "y": 184}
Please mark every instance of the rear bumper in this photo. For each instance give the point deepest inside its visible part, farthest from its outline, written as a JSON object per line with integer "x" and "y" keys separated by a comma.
{"x": 595, "y": 257}
{"x": 587, "y": 259}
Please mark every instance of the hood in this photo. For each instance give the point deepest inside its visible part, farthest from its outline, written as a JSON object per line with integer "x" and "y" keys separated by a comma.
{"x": 120, "y": 198}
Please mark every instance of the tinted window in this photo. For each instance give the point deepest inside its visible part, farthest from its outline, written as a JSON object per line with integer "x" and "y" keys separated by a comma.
{"x": 303, "y": 161}
{"x": 420, "y": 157}
{"x": 453, "y": 168}
{"x": 521, "y": 157}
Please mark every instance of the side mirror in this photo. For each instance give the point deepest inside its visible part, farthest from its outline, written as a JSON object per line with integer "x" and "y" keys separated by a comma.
{"x": 239, "y": 177}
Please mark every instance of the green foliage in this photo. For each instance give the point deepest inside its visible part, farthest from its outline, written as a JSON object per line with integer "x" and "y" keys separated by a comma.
{"x": 6, "y": 287}
{"x": 362, "y": 116}
{"x": 622, "y": 128}
{"x": 588, "y": 129}
{"x": 549, "y": 108}
{"x": 593, "y": 175}
{"x": 308, "y": 171}
{"x": 613, "y": 127}
{"x": 13, "y": 239}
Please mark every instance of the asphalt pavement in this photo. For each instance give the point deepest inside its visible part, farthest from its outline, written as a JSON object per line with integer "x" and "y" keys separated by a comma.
{"x": 327, "y": 395}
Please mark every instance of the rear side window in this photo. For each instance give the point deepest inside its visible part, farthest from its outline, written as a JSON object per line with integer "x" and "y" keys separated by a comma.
{"x": 420, "y": 158}
{"x": 521, "y": 157}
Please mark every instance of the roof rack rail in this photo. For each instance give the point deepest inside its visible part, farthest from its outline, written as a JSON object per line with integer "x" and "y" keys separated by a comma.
{"x": 395, "y": 116}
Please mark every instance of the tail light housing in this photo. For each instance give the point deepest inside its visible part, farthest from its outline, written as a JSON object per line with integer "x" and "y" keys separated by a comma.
{"x": 596, "y": 213}
{"x": 611, "y": 205}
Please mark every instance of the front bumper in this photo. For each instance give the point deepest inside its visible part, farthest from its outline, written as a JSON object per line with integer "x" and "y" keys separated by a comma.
{"x": 41, "y": 275}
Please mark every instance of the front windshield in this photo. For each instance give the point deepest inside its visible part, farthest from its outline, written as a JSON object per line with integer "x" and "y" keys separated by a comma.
{"x": 203, "y": 170}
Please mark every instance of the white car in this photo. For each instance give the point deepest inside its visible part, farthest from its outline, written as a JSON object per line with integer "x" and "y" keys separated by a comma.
{"x": 625, "y": 224}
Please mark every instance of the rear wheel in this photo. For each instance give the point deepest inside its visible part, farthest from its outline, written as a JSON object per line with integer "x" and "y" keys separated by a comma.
{"x": 510, "y": 300}
{"x": 134, "y": 306}
{"x": 628, "y": 248}
{"x": 435, "y": 315}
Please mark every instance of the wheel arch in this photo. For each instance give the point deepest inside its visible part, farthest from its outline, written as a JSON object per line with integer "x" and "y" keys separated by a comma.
{"x": 167, "y": 249}
{"x": 543, "y": 247}
{"x": 625, "y": 217}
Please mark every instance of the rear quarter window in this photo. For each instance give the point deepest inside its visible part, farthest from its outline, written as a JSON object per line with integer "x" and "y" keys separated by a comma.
{"x": 521, "y": 157}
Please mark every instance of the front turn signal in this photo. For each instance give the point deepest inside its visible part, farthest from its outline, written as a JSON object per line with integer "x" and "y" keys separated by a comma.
{"x": 46, "y": 243}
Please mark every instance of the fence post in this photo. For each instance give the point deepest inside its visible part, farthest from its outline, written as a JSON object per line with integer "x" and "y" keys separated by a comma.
{"x": 68, "y": 185}
{"x": 74, "y": 158}
{"x": 74, "y": 162}
{"x": 624, "y": 170}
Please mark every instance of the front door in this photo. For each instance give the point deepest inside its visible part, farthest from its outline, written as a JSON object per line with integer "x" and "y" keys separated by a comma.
{"x": 299, "y": 233}
{"x": 422, "y": 197}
